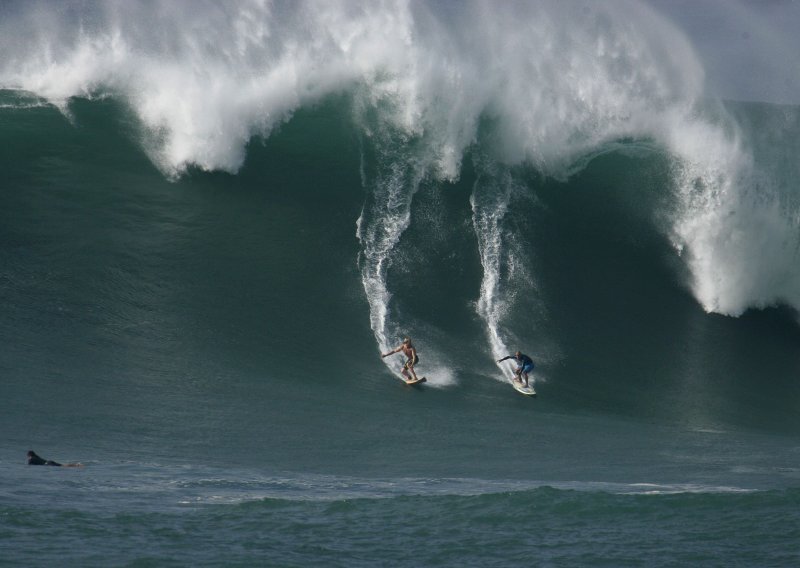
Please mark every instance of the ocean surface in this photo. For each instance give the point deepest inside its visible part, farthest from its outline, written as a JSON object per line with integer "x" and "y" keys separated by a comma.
{"x": 214, "y": 218}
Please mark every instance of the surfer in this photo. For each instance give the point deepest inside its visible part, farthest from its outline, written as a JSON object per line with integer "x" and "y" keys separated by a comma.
{"x": 34, "y": 459}
{"x": 525, "y": 366}
{"x": 411, "y": 358}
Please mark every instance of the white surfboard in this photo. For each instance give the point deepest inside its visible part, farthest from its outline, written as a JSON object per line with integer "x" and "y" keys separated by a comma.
{"x": 418, "y": 381}
{"x": 521, "y": 388}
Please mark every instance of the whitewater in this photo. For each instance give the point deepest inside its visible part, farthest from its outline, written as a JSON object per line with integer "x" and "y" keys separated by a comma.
{"x": 216, "y": 216}
{"x": 546, "y": 85}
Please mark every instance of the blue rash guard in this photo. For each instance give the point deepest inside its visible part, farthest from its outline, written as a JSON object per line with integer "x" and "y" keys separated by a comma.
{"x": 526, "y": 363}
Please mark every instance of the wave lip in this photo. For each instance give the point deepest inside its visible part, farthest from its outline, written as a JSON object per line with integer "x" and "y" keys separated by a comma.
{"x": 204, "y": 80}
{"x": 546, "y": 85}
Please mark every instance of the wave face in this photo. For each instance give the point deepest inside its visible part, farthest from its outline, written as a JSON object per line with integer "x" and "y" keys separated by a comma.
{"x": 539, "y": 174}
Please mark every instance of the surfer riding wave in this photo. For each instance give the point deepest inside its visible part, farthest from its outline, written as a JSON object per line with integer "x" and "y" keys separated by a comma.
{"x": 412, "y": 359}
{"x": 524, "y": 366}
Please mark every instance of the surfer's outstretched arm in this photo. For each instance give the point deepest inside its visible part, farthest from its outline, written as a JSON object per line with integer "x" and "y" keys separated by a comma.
{"x": 406, "y": 344}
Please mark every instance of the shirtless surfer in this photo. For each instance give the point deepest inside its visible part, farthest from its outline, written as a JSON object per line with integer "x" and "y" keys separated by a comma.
{"x": 524, "y": 366}
{"x": 412, "y": 359}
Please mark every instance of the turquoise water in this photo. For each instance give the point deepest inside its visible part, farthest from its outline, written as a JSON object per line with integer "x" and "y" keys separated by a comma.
{"x": 195, "y": 310}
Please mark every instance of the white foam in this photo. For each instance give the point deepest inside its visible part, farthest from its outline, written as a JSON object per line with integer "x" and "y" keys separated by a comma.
{"x": 738, "y": 227}
{"x": 554, "y": 80}
{"x": 206, "y": 78}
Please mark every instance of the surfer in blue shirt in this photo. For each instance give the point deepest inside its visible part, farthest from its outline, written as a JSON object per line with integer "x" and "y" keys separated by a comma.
{"x": 412, "y": 358}
{"x": 525, "y": 365}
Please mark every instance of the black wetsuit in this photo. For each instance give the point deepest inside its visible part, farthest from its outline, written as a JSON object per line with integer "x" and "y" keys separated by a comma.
{"x": 36, "y": 460}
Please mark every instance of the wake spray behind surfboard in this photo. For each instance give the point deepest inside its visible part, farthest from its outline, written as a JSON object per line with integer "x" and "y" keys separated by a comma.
{"x": 393, "y": 165}
{"x": 498, "y": 250}
{"x": 385, "y": 216}
{"x": 489, "y": 206}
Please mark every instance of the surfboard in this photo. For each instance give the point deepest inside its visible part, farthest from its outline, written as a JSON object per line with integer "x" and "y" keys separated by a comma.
{"x": 520, "y": 388}
{"x": 418, "y": 381}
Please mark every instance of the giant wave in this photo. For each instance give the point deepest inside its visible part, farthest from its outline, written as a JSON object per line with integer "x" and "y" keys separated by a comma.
{"x": 523, "y": 96}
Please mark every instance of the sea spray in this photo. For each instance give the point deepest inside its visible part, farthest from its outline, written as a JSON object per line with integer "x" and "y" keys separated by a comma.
{"x": 558, "y": 79}
{"x": 738, "y": 221}
{"x": 386, "y": 214}
{"x": 557, "y": 82}
{"x": 501, "y": 263}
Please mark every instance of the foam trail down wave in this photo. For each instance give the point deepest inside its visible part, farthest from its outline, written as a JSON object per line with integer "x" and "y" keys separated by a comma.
{"x": 490, "y": 200}
{"x": 392, "y": 181}
{"x": 554, "y": 81}
{"x": 386, "y": 215}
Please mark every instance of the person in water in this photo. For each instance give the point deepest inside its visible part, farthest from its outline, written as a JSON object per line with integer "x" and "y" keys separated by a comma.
{"x": 34, "y": 459}
{"x": 411, "y": 358}
{"x": 524, "y": 366}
